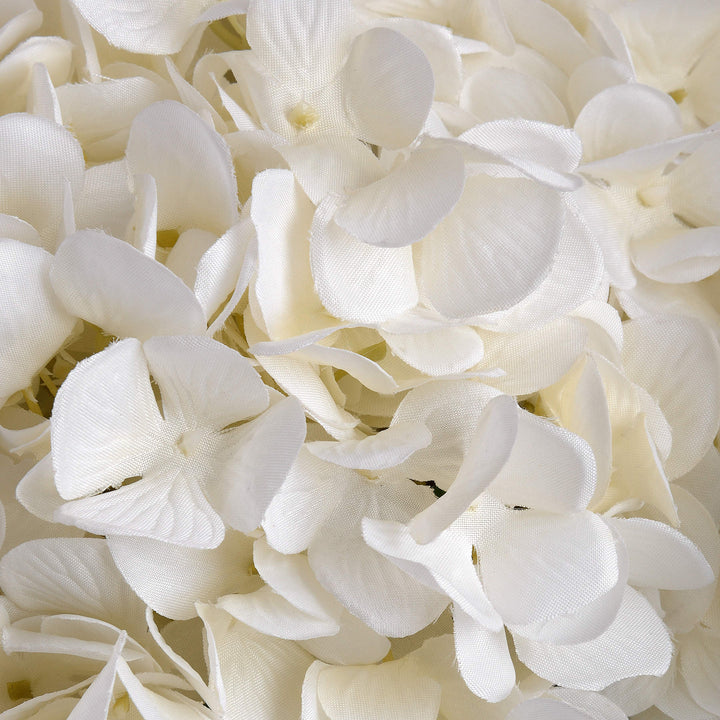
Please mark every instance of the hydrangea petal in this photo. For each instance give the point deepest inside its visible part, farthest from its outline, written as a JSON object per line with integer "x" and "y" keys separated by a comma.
{"x": 389, "y": 87}
{"x": 33, "y": 323}
{"x": 191, "y": 165}
{"x": 636, "y": 643}
{"x": 172, "y": 578}
{"x": 92, "y": 273}
{"x": 483, "y": 658}
{"x": 495, "y": 248}
{"x": 102, "y": 433}
{"x": 405, "y": 205}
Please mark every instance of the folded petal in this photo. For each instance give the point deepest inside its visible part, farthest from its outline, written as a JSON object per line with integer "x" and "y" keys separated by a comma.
{"x": 111, "y": 284}
{"x": 549, "y": 468}
{"x": 490, "y": 448}
{"x": 254, "y": 463}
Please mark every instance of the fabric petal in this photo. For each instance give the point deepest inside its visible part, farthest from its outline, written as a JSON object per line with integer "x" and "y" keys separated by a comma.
{"x": 662, "y": 557}
{"x": 261, "y": 676}
{"x": 483, "y": 658}
{"x": 172, "y": 578}
{"x": 160, "y": 29}
{"x": 70, "y": 575}
{"x": 102, "y": 433}
{"x": 39, "y": 158}
{"x": 538, "y": 566}
{"x": 191, "y": 165}
{"x": 494, "y": 248}
{"x": 489, "y": 450}
{"x": 164, "y": 505}
{"x": 254, "y": 463}
{"x": 636, "y": 643}
{"x": 388, "y": 448}
{"x": 409, "y": 202}
{"x": 33, "y": 323}
{"x": 204, "y": 382}
{"x": 549, "y": 468}
{"x": 689, "y": 400}
{"x": 92, "y": 273}
{"x": 356, "y": 281}
{"x": 388, "y": 89}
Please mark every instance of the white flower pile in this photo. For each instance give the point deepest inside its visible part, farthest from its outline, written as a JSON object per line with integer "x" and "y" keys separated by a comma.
{"x": 359, "y": 359}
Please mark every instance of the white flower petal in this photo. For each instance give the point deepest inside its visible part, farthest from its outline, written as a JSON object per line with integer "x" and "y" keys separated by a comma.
{"x": 549, "y": 468}
{"x": 689, "y": 399}
{"x": 678, "y": 257}
{"x": 302, "y": 42}
{"x": 388, "y": 448}
{"x": 368, "y": 584}
{"x": 409, "y": 202}
{"x": 444, "y": 564}
{"x": 92, "y": 273}
{"x": 160, "y": 29}
{"x": 261, "y": 676}
{"x": 662, "y": 557}
{"x": 494, "y": 248}
{"x": 356, "y": 281}
{"x": 172, "y": 578}
{"x": 308, "y": 495}
{"x": 538, "y": 565}
{"x": 494, "y": 93}
{"x": 191, "y": 165}
{"x": 637, "y": 643}
{"x": 271, "y": 614}
{"x": 608, "y": 124}
{"x": 204, "y": 381}
{"x": 104, "y": 433}
{"x": 163, "y": 505}
{"x": 39, "y": 158}
{"x": 483, "y": 658}
{"x": 699, "y": 661}
{"x": 337, "y": 165}
{"x": 490, "y": 448}
{"x": 444, "y": 351}
{"x": 388, "y": 87}
{"x": 282, "y": 215}
{"x": 33, "y": 324}
{"x": 70, "y": 575}
{"x": 378, "y": 692}
{"x": 255, "y": 462}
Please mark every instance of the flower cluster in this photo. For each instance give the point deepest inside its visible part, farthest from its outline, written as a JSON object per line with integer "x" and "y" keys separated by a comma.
{"x": 359, "y": 359}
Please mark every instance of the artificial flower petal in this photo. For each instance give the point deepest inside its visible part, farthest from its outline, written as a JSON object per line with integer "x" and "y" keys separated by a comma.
{"x": 389, "y": 87}
{"x": 91, "y": 274}
{"x": 405, "y": 205}
{"x": 120, "y": 424}
{"x": 191, "y": 164}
